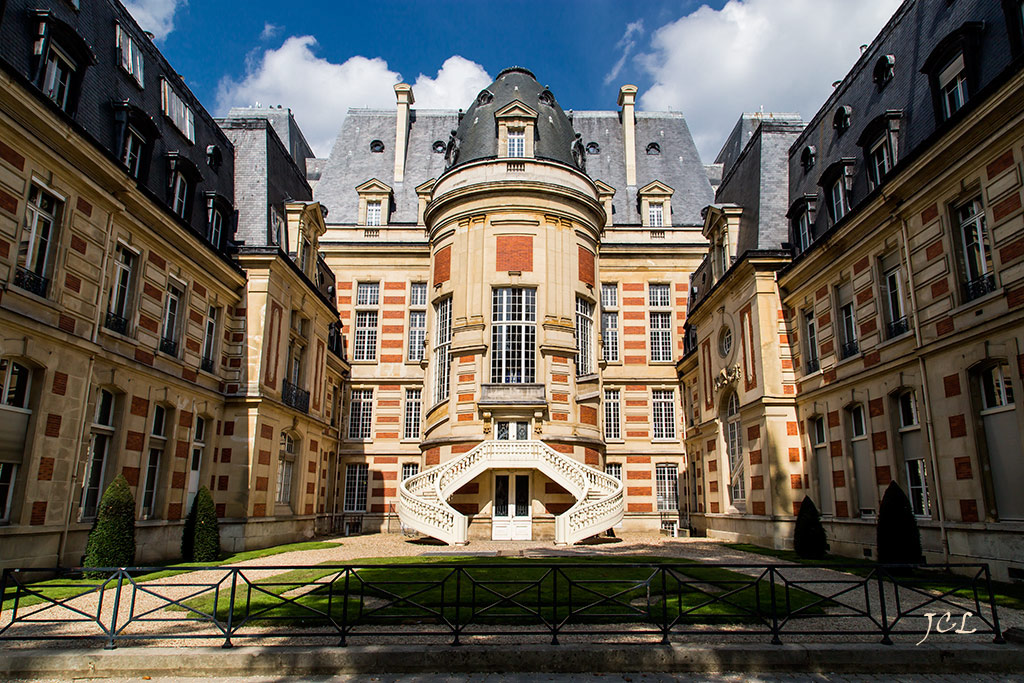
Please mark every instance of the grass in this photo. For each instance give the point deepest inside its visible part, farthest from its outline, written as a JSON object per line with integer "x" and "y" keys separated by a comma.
{"x": 1005, "y": 594}
{"x": 516, "y": 592}
{"x": 64, "y": 588}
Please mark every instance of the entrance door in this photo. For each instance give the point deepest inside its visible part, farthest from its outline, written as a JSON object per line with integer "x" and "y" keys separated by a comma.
{"x": 510, "y": 518}
{"x": 513, "y": 431}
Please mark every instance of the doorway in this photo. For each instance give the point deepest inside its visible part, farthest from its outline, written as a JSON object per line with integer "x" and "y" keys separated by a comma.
{"x": 511, "y": 518}
{"x": 512, "y": 431}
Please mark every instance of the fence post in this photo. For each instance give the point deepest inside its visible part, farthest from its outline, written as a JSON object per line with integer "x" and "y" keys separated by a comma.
{"x": 664, "y": 607}
{"x": 554, "y": 607}
{"x": 344, "y": 609}
{"x": 458, "y": 602}
{"x": 231, "y": 608}
{"x": 117, "y": 606}
{"x": 999, "y": 640}
{"x": 775, "y": 615}
{"x": 886, "y": 640}
{"x": 3, "y": 592}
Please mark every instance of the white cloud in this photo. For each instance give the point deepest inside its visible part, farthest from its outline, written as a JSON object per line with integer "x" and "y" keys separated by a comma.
{"x": 320, "y": 92}
{"x": 269, "y": 31}
{"x": 155, "y": 16}
{"x": 457, "y": 84}
{"x": 780, "y": 54}
{"x": 634, "y": 30}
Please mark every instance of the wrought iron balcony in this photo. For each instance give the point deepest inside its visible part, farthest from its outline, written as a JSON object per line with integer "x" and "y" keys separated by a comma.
{"x": 116, "y": 323}
{"x": 979, "y": 287}
{"x": 898, "y": 327}
{"x": 169, "y": 346}
{"x": 850, "y": 348}
{"x": 31, "y": 282}
{"x": 206, "y": 365}
{"x": 295, "y": 397}
{"x": 813, "y": 365}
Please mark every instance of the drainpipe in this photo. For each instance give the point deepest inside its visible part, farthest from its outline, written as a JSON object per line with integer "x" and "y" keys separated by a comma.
{"x": 932, "y": 455}
{"x": 73, "y": 474}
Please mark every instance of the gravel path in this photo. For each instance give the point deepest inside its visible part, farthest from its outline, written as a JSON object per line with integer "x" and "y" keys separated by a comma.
{"x": 152, "y": 597}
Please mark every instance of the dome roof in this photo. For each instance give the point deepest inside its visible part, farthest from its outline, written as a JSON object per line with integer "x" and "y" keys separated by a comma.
{"x": 477, "y": 136}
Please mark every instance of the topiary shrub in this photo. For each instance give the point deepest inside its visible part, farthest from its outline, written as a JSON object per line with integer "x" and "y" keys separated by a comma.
{"x": 899, "y": 540}
{"x": 200, "y": 539}
{"x": 112, "y": 538}
{"x": 809, "y": 535}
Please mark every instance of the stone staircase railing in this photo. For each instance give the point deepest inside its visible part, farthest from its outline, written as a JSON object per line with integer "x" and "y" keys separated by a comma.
{"x": 423, "y": 498}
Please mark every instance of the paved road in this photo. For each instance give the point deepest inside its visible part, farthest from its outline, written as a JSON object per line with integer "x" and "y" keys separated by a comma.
{"x": 597, "y": 678}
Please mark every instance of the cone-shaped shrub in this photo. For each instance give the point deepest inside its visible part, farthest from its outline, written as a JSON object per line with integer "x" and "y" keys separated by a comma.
{"x": 112, "y": 539}
{"x": 809, "y": 536}
{"x": 200, "y": 539}
{"x": 899, "y": 541}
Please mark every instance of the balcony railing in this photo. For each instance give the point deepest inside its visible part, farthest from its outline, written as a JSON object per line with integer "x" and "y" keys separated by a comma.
{"x": 169, "y": 346}
{"x": 512, "y": 394}
{"x": 295, "y": 397}
{"x": 979, "y": 287}
{"x": 206, "y": 365}
{"x": 813, "y": 365}
{"x": 898, "y": 327}
{"x": 31, "y": 282}
{"x": 116, "y": 323}
{"x": 850, "y": 348}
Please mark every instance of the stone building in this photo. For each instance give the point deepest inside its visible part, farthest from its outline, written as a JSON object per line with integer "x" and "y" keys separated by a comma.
{"x": 885, "y": 320}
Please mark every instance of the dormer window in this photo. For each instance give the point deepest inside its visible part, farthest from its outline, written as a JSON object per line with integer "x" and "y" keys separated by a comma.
{"x": 377, "y": 147}
{"x": 880, "y": 160}
{"x": 653, "y": 149}
{"x": 174, "y": 108}
{"x": 801, "y": 216}
{"x": 136, "y": 133}
{"x": 655, "y": 204}
{"x": 374, "y": 203}
{"x": 885, "y": 69}
{"x": 61, "y": 57}
{"x": 217, "y": 210}
{"x": 179, "y": 193}
{"x": 517, "y": 144}
{"x": 593, "y": 148}
{"x": 130, "y": 54}
{"x": 880, "y": 141}
{"x": 952, "y": 69}
{"x": 837, "y": 200}
{"x": 438, "y": 147}
{"x": 836, "y": 181}
{"x": 808, "y": 157}
{"x": 131, "y": 157}
{"x": 953, "y": 86}
{"x": 656, "y": 215}
{"x": 373, "y": 213}
{"x": 842, "y": 118}
{"x": 57, "y": 79}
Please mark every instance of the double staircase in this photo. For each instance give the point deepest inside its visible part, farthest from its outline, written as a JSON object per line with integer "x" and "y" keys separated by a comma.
{"x": 423, "y": 498}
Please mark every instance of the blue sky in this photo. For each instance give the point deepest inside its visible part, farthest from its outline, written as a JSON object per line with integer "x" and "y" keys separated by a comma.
{"x": 712, "y": 61}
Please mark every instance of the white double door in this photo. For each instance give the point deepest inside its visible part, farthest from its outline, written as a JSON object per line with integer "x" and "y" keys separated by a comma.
{"x": 511, "y": 518}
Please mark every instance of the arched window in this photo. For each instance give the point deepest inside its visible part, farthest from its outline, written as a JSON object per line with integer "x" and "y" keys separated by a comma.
{"x": 377, "y": 147}
{"x": 734, "y": 449}
{"x": 653, "y": 149}
{"x": 286, "y": 469}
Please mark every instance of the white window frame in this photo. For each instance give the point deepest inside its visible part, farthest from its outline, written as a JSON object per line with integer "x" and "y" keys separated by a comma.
{"x": 517, "y": 143}
{"x": 953, "y": 86}
{"x": 356, "y": 476}
{"x": 157, "y": 446}
{"x": 59, "y": 76}
{"x": 40, "y": 232}
{"x": 174, "y": 299}
{"x": 734, "y": 450}
{"x": 175, "y": 109}
{"x": 656, "y": 214}
{"x": 413, "y": 412}
{"x": 996, "y": 389}
{"x": 811, "y": 334}
{"x": 122, "y": 281}
{"x": 360, "y": 415}
{"x": 179, "y": 193}
{"x": 976, "y": 252}
{"x": 804, "y": 230}
{"x": 613, "y": 469}
{"x": 837, "y": 196}
{"x": 610, "y": 322}
{"x": 410, "y": 469}
{"x": 894, "y": 300}
{"x": 513, "y": 335}
{"x": 659, "y": 300}
{"x": 417, "y": 320}
{"x": 8, "y": 478}
{"x": 209, "y": 349}
{"x": 663, "y": 414}
{"x": 286, "y": 469}
{"x": 134, "y": 143}
{"x": 374, "y": 209}
{"x": 666, "y": 481}
{"x": 131, "y": 56}
{"x": 365, "y": 338}
{"x": 442, "y": 349}
{"x": 612, "y": 415}
{"x": 100, "y": 444}
{"x": 880, "y": 154}
{"x": 584, "y": 337}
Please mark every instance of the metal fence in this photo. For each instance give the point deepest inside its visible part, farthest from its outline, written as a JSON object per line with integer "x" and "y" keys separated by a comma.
{"x": 457, "y": 600}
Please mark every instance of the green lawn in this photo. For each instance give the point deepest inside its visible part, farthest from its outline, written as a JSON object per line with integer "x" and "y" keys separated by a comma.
{"x": 63, "y": 588}
{"x": 518, "y": 591}
{"x": 1006, "y": 594}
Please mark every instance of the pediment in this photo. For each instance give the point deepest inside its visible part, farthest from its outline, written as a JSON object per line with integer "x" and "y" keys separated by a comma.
{"x": 604, "y": 188}
{"x": 374, "y": 186}
{"x": 656, "y": 188}
{"x": 515, "y": 110}
{"x": 427, "y": 187}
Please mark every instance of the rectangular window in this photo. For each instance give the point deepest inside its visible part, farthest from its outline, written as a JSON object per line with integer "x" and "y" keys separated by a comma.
{"x": 131, "y": 55}
{"x": 661, "y": 336}
{"x": 609, "y": 295}
{"x": 121, "y": 289}
{"x": 610, "y": 335}
{"x": 442, "y": 346}
{"x": 210, "y": 338}
{"x": 513, "y": 335}
{"x": 664, "y": 414}
{"x": 847, "y": 321}
{"x": 179, "y": 194}
{"x": 658, "y": 296}
{"x": 614, "y": 469}
{"x": 413, "y": 408}
{"x": 409, "y": 469}
{"x": 38, "y": 239}
{"x": 974, "y": 251}
{"x": 656, "y": 215}
{"x": 996, "y": 389}
{"x": 612, "y": 415}
{"x": 584, "y": 337}
{"x": 360, "y": 416}
{"x": 367, "y": 295}
{"x": 99, "y": 448}
{"x": 157, "y": 442}
{"x": 177, "y": 111}
{"x": 953, "y": 86}
{"x": 811, "y": 335}
{"x": 57, "y": 77}
{"x": 171, "y": 321}
{"x": 417, "y": 320}
{"x": 917, "y": 487}
{"x": 373, "y": 212}
{"x": 286, "y": 470}
{"x": 8, "y": 474}
{"x": 517, "y": 143}
{"x": 892, "y": 295}
{"x": 355, "y": 487}
{"x": 880, "y": 158}
{"x": 838, "y": 199}
{"x": 132, "y": 155}
{"x": 666, "y": 477}
{"x": 804, "y": 230}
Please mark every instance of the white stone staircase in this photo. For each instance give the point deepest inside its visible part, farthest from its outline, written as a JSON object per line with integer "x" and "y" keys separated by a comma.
{"x": 423, "y": 498}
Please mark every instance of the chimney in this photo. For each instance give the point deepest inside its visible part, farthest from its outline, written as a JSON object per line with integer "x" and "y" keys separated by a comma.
{"x": 403, "y": 92}
{"x": 627, "y": 100}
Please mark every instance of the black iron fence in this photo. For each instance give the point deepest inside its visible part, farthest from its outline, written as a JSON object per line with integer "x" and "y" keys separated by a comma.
{"x": 456, "y": 600}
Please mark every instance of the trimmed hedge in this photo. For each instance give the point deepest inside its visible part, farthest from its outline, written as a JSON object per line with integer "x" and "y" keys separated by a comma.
{"x": 809, "y": 536}
{"x": 899, "y": 540}
{"x": 112, "y": 538}
{"x": 200, "y": 539}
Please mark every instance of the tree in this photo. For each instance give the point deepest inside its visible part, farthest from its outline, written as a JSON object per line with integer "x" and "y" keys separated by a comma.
{"x": 809, "y": 535}
{"x": 899, "y": 540}
{"x": 200, "y": 539}
{"x": 112, "y": 538}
